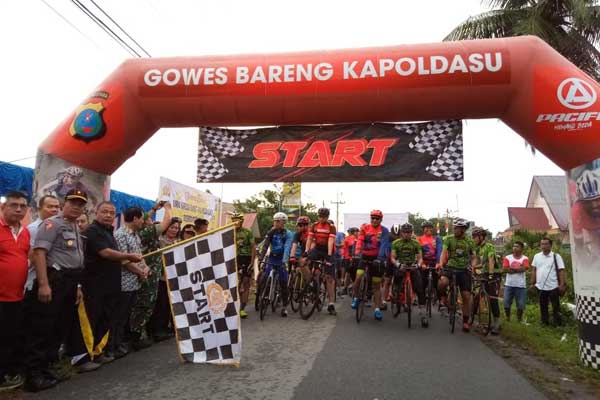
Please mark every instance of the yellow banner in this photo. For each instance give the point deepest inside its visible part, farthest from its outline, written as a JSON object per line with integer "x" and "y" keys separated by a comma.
{"x": 292, "y": 193}
{"x": 189, "y": 203}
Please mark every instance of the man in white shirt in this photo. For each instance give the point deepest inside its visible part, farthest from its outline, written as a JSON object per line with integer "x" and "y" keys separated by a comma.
{"x": 545, "y": 278}
{"x": 515, "y": 265}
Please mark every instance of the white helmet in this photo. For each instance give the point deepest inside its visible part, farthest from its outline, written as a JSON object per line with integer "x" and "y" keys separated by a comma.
{"x": 588, "y": 185}
{"x": 280, "y": 217}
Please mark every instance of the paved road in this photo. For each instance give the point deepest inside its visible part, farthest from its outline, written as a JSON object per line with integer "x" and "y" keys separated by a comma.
{"x": 324, "y": 358}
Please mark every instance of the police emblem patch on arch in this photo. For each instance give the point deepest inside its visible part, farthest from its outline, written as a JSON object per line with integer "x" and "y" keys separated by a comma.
{"x": 88, "y": 123}
{"x": 203, "y": 289}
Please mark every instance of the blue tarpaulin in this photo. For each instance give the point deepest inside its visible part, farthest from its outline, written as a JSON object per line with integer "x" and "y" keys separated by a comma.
{"x": 15, "y": 177}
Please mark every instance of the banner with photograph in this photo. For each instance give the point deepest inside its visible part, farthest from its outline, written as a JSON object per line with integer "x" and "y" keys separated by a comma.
{"x": 189, "y": 203}
{"x": 292, "y": 194}
{"x": 56, "y": 177}
{"x": 428, "y": 151}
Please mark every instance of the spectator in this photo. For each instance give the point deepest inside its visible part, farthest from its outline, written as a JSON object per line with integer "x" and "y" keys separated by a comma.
{"x": 14, "y": 250}
{"x": 58, "y": 260}
{"x": 515, "y": 265}
{"x": 48, "y": 206}
{"x": 101, "y": 281}
{"x": 161, "y": 317}
{"x": 83, "y": 221}
{"x": 128, "y": 241}
{"x": 148, "y": 292}
{"x": 200, "y": 226}
{"x": 187, "y": 232}
{"x": 548, "y": 276}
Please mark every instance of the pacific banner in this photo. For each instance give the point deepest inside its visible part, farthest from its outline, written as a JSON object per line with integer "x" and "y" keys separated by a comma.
{"x": 427, "y": 151}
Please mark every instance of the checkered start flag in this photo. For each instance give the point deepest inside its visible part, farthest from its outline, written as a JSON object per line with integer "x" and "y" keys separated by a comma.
{"x": 202, "y": 279}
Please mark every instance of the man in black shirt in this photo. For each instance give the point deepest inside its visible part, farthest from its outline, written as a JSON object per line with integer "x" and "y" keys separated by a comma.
{"x": 102, "y": 280}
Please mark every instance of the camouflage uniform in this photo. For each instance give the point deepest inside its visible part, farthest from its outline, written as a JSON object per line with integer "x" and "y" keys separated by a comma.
{"x": 146, "y": 295}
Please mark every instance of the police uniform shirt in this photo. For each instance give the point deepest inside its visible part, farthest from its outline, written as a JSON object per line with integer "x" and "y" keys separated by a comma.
{"x": 61, "y": 239}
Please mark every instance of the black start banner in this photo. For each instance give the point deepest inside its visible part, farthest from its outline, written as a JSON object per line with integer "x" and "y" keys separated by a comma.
{"x": 428, "y": 151}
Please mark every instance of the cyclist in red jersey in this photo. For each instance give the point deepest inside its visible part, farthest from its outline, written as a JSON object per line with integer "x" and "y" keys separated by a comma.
{"x": 372, "y": 245}
{"x": 349, "y": 271}
{"x": 320, "y": 246}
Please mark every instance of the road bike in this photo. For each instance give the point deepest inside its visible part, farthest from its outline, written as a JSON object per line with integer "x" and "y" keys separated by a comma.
{"x": 363, "y": 290}
{"x": 296, "y": 284}
{"x": 314, "y": 292}
{"x": 481, "y": 312}
{"x": 430, "y": 291}
{"x": 453, "y": 295}
{"x": 402, "y": 291}
{"x": 270, "y": 291}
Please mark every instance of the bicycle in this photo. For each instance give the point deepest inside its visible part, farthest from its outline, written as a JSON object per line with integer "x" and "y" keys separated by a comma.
{"x": 296, "y": 284}
{"x": 430, "y": 291}
{"x": 314, "y": 292}
{"x": 402, "y": 291}
{"x": 480, "y": 306}
{"x": 270, "y": 292}
{"x": 453, "y": 295}
{"x": 363, "y": 294}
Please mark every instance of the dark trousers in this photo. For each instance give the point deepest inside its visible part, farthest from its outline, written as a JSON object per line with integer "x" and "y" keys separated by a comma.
{"x": 161, "y": 318}
{"x": 10, "y": 343}
{"x": 120, "y": 333}
{"x": 493, "y": 288}
{"x": 49, "y": 325}
{"x": 101, "y": 305}
{"x": 552, "y": 296}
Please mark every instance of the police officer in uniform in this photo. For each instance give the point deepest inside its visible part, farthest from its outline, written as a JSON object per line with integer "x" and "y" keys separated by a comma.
{"x": 58, "y": 259}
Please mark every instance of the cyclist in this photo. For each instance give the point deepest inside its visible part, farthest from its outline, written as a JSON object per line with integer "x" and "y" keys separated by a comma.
{"x": 486, "y": 260}
{"x": 299, "y": 246}
{"x": 585, "y": 215}
{"x": 372, "y": 246}
{"x": 407, "y": 251}
{"x": 457, "y": 250}
{"x": 279, "y": 240}
{"x": 432, "y": 250}
{"x": 389, "y": 270}
{"x": 338, "y": 259}
{"x": 320, "y": 246}
{"x": 246, "y": 253}
{"x": 349, "y": 272}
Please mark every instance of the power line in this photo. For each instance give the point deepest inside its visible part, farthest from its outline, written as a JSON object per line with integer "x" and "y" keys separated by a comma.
{"x": 106, "y": 29}
{"x": 119, "y": 26}
{"x": 70, "y": 24}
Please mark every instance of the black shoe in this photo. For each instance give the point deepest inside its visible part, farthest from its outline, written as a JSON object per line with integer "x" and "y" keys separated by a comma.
{"x": 9, "y": 382}
{"x": 384, "y": 307}
{"x": 160, "y": 336}
{"x": 141, "y": 344}
{"x": 331, "y": 309}
{"x": 40, "y": 382}
{"x": 284, "y": 313}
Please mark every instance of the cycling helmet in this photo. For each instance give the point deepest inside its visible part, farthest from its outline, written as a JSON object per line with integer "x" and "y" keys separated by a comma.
{"x": 479, "y": 231}
{"x": 460, "y": 223}
{"x": 353, "y": 229}
{"x": 376, "y": 213}
{"x": 427, "y": 224}
{"x": 236, "y": 216}
{"x": 395, "y": 230}
{"x": 74, "y": 171}
{"x": 406, "y": 227}
{"x": 323, "y": 212}
{"x": 588, "y": 185}
{"x": 280, "y": 217}
{"x": 303, "y": 220}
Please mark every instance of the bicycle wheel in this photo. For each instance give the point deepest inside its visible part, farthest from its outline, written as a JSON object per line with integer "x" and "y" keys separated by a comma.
{"x": 322, "y": 294}
{"x": 429, "y": 295}
{"x": 276, "y": 298}
{"x": 396, "y": 304}
{"x": 264, "y": 297}
{"x": 408, "y": 295}
{"x": 484, "y": 315}
{"x": 296, "y": 292}
{"x": 452, "y": 305}
{"x": 308, "y": 300}
{"x": 362, "y": 298}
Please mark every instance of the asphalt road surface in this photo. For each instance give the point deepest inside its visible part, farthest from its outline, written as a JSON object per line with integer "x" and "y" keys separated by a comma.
{"x": 323, "y": 358}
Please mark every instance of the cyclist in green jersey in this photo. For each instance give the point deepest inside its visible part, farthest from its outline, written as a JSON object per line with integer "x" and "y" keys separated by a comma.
{"x": 486, "y": 261}
{"x": 246, "y": 253}
{"x": 457, "y": 250}
{"x": 407, "y": 251}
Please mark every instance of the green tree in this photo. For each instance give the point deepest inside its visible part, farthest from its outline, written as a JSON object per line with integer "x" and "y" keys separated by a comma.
{"x": 571, "y": 27}
{"x": 417, "y": 220}
{"x": 266, "y": 204}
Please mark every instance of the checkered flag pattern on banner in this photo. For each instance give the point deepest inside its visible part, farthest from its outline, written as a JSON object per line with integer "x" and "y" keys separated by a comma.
{"x": 203, "y": 289}
{"x": 443, "y": 140}
{"x": 215, "y": 144}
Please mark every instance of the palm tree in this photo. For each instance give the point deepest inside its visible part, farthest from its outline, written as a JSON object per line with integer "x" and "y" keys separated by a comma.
{"x": 571, "y": 27}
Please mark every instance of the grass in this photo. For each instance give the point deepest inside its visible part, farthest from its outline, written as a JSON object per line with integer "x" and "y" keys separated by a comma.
{"x": 557, "y": 345}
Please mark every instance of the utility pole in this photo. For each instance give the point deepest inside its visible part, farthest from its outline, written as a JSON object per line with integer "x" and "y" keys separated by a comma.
{"x": 337, "y": 203}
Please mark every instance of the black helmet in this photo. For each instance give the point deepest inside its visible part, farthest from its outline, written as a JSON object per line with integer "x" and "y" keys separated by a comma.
{"x": 406, "y": 227}
{"x": 478, "y": 231}
{"x": 352, "y": 230}
{"x": 427, "y": 224}
{"x": 323, "y": 212}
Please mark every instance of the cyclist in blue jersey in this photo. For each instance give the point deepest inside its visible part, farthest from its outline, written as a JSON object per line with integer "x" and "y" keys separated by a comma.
{"x": 279, "y": 241}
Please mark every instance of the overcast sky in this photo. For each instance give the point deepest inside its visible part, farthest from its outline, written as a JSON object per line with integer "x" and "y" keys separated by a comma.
{"x": 48, "y": 67}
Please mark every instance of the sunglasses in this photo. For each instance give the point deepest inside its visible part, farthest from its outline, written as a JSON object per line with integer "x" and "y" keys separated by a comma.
{"x": 301, "y": 224}
{"x": 376, "y": 218}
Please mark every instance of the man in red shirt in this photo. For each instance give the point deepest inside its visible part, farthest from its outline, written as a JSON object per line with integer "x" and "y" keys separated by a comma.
{"x": 14, "y": 249}
{"x": 349, "y": 270}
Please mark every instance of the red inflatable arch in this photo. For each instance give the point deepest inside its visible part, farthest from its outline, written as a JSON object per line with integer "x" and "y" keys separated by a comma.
{"x": 522, "y": 81}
